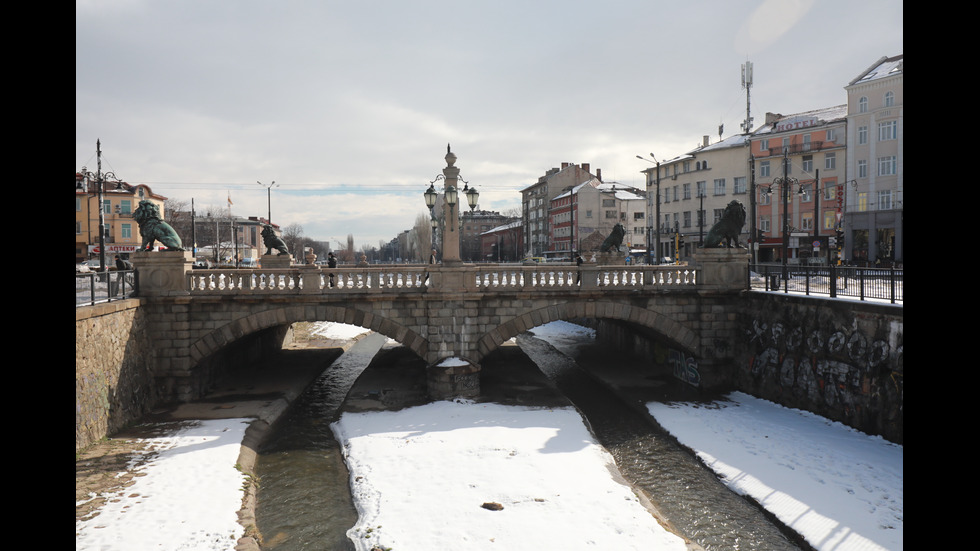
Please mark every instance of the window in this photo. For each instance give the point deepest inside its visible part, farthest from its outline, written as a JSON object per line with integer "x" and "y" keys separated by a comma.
{"x": 764, "y": 144}
{"x": 806, "y": 221}
{"x": 687, "y": 166}
{"x": 609, "y": 202}
{"x": 106, "y": 207}
{"x": 863, "y": 168}
{"x": 719, "y": 186}
{"x": 885, "y": 200}
{"x": 675, "y": 193}
{"x": 739, "y": 185}
{"x": 765, "y": 223}
{"x": 886, "y": 165}
{"x": 889, "y": 99}
{"x": 786, "y": 144}
{"x": 806, "y": 197}
{"x": 887, "y": 130}
{"x": 764, "y": 197}
{"x": 78, "y": 227}
{"x": 702, "y": 189}
{"x": 637, "y": 216}
{"x": 125, "y": 206}
{"x": 687, "y": 219}
{"x": 718, "y": 213}
{"x": 862, "y": 134}
{"x": 78, "y": 204}
{"x": 830, "y": 161}
{"x": 687, "y": 191}
{"x": 829, "y": 192}
{"x": 862, "y": 198}
{"x": 808, "y": 163}
{"x": 588, "y": 213}
{"x": 831, "y": 135}
{"x": 863, "y": 105}
{"x": 829, "y": 219}
{"x": 126, "y": 231}
{"x": 611, "y": 214}
{"x": 806, "y": 142}
{"x": 764, "y": 169}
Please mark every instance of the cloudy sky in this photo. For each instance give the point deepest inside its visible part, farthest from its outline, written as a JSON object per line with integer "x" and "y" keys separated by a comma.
{"x": 349, "y": 106}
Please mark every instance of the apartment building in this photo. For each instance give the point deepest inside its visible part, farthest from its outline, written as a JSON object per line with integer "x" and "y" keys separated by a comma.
{"x": 536, "y": 203}
{"x": 119, "y": 201}
{"x": 874, "y": 218}
{"x": 799, "y": 165}
{"x": 693, "y": 190}
{"x": 587, "y": 213}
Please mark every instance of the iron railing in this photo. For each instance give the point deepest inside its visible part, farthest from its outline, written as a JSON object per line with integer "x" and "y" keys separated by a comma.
{"x": 833, "y": 281}
{"x": 96, "y": 287}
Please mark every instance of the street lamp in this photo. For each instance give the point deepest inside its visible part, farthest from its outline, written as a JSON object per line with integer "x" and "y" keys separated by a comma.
{"x": 701, "y": 193}
{"x": 784, "y": 183}
{"x": 269, "y": 198}
{"x": 657, "y": 221}
{"x": 450, "y": 175}
{"x": 100, "y": 179}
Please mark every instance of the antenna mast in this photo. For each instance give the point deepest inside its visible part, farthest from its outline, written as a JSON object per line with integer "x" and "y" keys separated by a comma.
{"x": 747, "y": 85}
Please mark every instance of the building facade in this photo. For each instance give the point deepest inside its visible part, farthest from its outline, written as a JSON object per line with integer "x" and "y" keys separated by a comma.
{"x": 592, "y": 209}
{"x": 874, "y": 217}
{"x": 473, "y": 225}
{"x": 694, "y": 189}
{"x": 799, "y": 164}
{"x": 119, "y": 201}
{"x": 536, "y": 203}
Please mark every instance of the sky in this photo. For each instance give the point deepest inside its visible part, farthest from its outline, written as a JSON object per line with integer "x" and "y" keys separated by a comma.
{"x": 841, "y": 489}
{"x": 349, "y": 106}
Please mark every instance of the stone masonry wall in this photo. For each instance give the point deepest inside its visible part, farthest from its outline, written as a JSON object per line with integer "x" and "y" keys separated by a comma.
{"x": 836, "y": 358}
{"x": 113, "y": 369}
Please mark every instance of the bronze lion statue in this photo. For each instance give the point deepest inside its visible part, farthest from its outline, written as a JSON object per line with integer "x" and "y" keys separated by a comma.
{"x": 614, "y": 240}
{"x": 272, "y": 241}
{"x": 727, "y": 229}
{"x": 153, "y": 228}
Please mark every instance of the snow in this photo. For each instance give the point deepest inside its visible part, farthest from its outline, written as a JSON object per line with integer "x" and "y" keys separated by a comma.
{"x": 839, "y": 488}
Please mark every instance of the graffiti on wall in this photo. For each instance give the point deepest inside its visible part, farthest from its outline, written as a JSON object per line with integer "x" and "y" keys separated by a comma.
{"x": 830, "y": 366}
{"x": 684, "y": 367}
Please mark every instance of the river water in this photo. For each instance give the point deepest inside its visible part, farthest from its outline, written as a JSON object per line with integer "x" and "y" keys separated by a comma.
{"x": 304, "y": 500}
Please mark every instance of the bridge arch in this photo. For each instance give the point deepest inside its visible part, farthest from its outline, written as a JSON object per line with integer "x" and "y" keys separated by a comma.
{"x": 665, "y": 325}
{"x": 219, "y": 338}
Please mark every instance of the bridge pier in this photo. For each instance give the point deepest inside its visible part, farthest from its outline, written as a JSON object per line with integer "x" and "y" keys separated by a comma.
{"x": 453, "y": 378}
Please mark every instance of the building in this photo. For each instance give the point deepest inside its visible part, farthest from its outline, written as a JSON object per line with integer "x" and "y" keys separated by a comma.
{"x": 119, "y": 201}
{"x": 874, "y": 218}
{"x": 536, "y": 203}
{"x": 693, "y": 191}
{"x": 799, "y": 167}
{"x": 502, "y": 243}
{"x": 473, "y": 225}
{"x": 595, "y": 207}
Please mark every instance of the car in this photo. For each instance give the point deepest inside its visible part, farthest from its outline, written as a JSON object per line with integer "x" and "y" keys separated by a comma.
{"x": 86, "y": 266}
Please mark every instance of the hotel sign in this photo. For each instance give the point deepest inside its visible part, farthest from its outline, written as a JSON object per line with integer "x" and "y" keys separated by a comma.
{"x": 796, "y": 123}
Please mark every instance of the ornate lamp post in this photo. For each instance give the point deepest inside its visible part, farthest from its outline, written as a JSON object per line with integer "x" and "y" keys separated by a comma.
{"x": 450, "y": 237}
{"x": 784, "y": 183}
{"x": 100, "y": 179}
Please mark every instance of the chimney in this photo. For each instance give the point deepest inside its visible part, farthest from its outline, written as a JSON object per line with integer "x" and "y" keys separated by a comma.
{"x": 585, "y": 167}
{"x": 598, "y": 174}
{"x": 564, "y": 166}
{"x": 704, "y": 141}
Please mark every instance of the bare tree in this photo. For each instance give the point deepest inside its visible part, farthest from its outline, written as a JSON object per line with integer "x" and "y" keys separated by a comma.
{"x": 293, "y": 236}
{"x": 422, "y": 233}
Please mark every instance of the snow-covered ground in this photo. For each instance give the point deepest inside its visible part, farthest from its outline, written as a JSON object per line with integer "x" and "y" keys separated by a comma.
{"x": 422, "y": 475}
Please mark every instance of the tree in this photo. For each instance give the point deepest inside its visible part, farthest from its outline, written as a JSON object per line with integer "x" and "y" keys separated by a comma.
{"x": 422, "y": 237}
{"x": 293, "y": 236}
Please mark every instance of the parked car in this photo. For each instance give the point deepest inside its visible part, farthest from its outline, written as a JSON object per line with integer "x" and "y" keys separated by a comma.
{"x": 86, "y": 266}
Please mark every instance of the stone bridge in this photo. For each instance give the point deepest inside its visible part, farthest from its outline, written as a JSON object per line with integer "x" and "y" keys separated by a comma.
{"x": 450, "y": 316}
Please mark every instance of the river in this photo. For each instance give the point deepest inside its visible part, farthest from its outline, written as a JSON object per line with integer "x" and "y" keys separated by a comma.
{"x": 304, "y": 500}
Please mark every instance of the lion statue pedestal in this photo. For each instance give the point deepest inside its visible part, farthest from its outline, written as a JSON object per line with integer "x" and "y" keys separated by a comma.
{"x": 610, "y": 259}
{"x": 162, "y": 273}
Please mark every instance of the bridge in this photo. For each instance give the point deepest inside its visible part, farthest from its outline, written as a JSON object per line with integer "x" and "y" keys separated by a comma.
{"x": 450, "y": 315}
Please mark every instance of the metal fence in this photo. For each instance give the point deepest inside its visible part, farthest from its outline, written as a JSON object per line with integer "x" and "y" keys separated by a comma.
{"x": 97, "y": 287}
{"x": 834, "y": 281}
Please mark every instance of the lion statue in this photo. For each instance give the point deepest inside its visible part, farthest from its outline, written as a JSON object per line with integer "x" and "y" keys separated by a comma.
{"x": 272, "y": 241}
{"x": 153, "y": 228}
{"x": 614, "y": 240}
{"x": 727, "y": 229}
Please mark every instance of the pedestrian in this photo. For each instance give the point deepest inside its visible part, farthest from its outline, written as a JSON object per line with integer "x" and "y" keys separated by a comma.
{"x": 123, "y": 264}
{"x": 432, "y": 257}
{"x": 331, "y": 263}
{"x": 578, "y": 262}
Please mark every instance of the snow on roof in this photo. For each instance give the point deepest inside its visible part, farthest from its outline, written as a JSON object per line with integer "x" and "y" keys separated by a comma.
{"x": 825, "y": 115}
{"x": 884, "y": 67}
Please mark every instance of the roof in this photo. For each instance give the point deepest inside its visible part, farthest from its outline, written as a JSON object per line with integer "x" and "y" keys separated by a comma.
{"x": 883, "y": 68}
{"x": 825, "y": 115}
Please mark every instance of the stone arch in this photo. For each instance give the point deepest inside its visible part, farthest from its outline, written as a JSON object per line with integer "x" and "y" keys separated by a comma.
{"x": 681, "y": 335}
{"x": 219, "y": 338}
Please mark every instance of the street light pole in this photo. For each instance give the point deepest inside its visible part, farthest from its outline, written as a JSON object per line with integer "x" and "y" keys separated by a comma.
{"x": 100, "y": 179}
{"x": 269, "y": 198}
{"x": 657, "y": 219}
